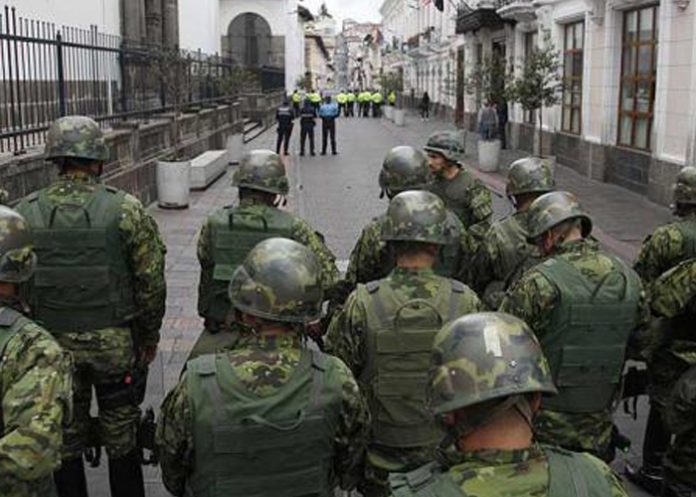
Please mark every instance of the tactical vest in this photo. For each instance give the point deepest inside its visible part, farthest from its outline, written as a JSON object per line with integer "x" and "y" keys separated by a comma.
{"x": 454, "y": 193}
{"x": 585, "y": 340}
{"x": 512, "y": 243}
{"x": 252, "y": 446}
{"x": 570, "y": 475}
{"x": 398, "y": 341}
{"x": 687, "y": 228}
{"x": 233, "y": 233}
{"x": 83, "y": 280}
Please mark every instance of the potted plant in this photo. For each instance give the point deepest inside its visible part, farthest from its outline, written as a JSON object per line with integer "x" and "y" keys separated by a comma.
{"x": 537, "y": 84}
{"x": 487, "y": 82}
{"x": 391, "y": 83}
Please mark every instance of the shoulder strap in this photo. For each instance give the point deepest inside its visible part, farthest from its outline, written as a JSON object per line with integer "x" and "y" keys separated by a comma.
{"x": 378, "y": 303}
{"x": 572, "y": 475}
{"x": 9, "y": 325}
{"x": 458, "y": 288}
{"x": 426, "y": 481}
{"x": 9, "y": 316}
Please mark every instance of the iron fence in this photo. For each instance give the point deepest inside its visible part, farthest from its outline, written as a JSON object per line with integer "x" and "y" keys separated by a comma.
{"x": 48, "y": 71}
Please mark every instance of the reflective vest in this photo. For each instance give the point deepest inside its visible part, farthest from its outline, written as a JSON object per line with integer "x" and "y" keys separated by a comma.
{"x": 233, "y": 232}
{"x": 398, "y": 346}
{"x": 341, "y": 98}
{"x": 392, "y": 98}
{"x": 296, "y": 97}
{"x": 246, "y": 445}
{"x": 83, "y": 280}
{"x": 351, "y": 97}
{"x": 377, "y": 98}
{"x": 315, "y": 98}
{"x": 586, "y": 337}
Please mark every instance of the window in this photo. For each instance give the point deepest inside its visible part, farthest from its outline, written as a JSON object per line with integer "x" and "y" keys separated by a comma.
{"x": 572, "y": 77}
{"x": 638, "y": 71}
{"x": 530, "y": 44}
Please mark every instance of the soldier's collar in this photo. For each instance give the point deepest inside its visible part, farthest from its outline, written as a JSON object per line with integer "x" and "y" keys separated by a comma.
{"x": 492, "y": 457}
{"x": 273, "y": 341}
{"x": 411, "y": 270}
{"x": 79, "y": 177}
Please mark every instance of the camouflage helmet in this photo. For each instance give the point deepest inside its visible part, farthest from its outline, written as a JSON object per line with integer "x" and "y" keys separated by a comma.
{"x": 485, "y": 356}
{"x": 448, "y": 143}
{"x": 279, "y": 280}
{"x": 76, "y": 137}
{"x": 552, "y": 209}
{"x": 404, "y": 168}
{"x": 417, "y": 216}
{"x": 685, "y": 187}
{"x": 530, "y": 175}
{"x": 17, "y": 259}
{"x": 262, "y": 170}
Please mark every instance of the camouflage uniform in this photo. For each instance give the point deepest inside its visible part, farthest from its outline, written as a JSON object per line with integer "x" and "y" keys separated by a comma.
{"x": 483, "y": 364}
{"x": 535, "y": 298}
{"x": 105, "y": 358}
{"x": 35, "y": 380}
{"x": 680, "y": 419}
{"x": 350, "y": 332}
{"x": 264, "y": 365}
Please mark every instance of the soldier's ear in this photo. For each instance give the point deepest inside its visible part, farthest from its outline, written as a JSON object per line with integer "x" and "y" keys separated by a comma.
{"x": 449, "y": 419}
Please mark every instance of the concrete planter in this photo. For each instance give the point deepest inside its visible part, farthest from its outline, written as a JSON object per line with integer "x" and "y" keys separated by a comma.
{"x": 399, "y": 117}
{"x": 173, "y": 184}
{"x": 488, "y": 155}
{"x": 389, "y": 112}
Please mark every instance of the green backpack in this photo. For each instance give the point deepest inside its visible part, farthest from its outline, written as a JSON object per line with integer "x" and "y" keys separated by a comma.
{"x": 399, "y": 339}
{"x": 83, "y": 281}
{"x": 250, "y": 446}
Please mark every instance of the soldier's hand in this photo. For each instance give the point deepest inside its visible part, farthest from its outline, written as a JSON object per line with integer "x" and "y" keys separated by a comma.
{"x": 147, "y": 354}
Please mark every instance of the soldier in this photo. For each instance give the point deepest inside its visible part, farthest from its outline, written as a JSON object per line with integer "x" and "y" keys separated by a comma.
{"x": 583, "y": 305}
{"x": 404, "y": 168}
{"x": 680, "y": 419}
{"x": 99, "y": 289}
{"x": 464, "y": 194}
{"x": 35, "y": 376}
{"x": 487, "y": 378}
{"x": 385, "y": 332}
{"x": 299, "y": 412}
{"x": 231, "y": 232}
{"x": 505, "y": 253}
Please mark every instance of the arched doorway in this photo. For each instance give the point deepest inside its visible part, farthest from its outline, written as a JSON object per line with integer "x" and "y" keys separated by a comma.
{"x": 250, "y": 40}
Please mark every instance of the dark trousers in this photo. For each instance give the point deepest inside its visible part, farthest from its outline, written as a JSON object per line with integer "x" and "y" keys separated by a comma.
{"x": 307, "y": 131}
{"x": 283, "y": 139}
{"x": 328, "y": 129}
{"x": 376, "y": 110}
{"x": 657, "y": 439}
{"x": 342, "y": 109}
{"x": 350, "y": 109}
{"x": 296, "y": 108}
{"x": 365, "y": 109}
{"x": 502, "y": 134}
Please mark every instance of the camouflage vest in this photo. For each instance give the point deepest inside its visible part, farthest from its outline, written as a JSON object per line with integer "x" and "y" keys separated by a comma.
{"x": 247, "y": 445}
{"x": 83, "y": 280}
{"x": 570, "y": 475}
{"x": 585, "y": 340}
{"x": 234, "y": 231}
{"x": 398, "y": 342}
{"x": 687, "y": 228}
{"x": 454, "y": 193}
{"x": 512, "y": 241}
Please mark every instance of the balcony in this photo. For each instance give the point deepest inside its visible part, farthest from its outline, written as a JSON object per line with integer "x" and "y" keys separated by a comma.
{"x": 483, "y": 15}
{"x": 516, "y": 10}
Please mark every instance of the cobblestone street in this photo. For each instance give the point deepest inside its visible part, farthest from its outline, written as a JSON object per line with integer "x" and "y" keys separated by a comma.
{"x": 338, "y": 195}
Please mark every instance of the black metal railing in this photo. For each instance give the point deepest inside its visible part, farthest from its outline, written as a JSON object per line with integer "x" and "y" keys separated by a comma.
{"x": 47, "y": 71}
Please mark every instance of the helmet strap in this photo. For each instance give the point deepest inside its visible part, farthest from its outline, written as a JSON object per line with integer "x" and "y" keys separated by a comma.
{"x": 280, "y": 201}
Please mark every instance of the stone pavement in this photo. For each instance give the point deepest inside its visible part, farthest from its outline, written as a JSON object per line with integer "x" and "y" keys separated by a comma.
{"x": 338, "y": 196}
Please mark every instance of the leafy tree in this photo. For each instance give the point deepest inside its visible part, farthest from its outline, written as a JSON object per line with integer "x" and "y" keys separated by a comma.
{"x": 488, "y": 83}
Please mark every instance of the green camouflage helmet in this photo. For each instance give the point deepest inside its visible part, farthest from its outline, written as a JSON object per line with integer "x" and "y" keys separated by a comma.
{"x": 404, "y": 168}
{"x": 448, "y": 143}
{"x": 552, "y": 209}
{"x": 76, "y": 137}
{"x": 417, "y": 216}
{"x": 17, "y": 259}
{"x": 685, "y": 187}
{"x": 485, "y": 356}
{"x": 280, "y": 280}
{"x": 262, "y": 170}
{"x": 530, "y": 175}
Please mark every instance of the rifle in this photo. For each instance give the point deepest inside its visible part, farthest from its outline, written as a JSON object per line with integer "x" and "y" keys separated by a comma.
{"x": 146, "y": 438}
{"x": 635, "y": 384}
{"x": 93, "y": 450}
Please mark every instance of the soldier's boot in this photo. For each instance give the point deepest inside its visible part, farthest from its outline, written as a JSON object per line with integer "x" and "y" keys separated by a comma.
{"x": 70, "y": 479}
{"x": 647, "y": 477}
{"x": 126, "y": 476}
{"x": 656, "y": 442}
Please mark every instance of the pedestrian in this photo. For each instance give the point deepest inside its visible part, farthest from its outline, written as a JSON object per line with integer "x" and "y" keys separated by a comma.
{"x": 101, "y": 294}
{"x": 284, "y": 117}
{"x": 350, "y": 105}
{"x": 505, "y": 252}
{"x": 231, "y": 232}
{"x": 488, "y": 121}
{"x": 382, "y": 349}
{"x": 425, "y": 106}
{"x": 487, "y": 380}
{"x": 308, "y": 117}
{"x": 35, "y": 376}
{"x": 271, "y": 417}
{"x": 377, "y": 100}
{"x": 328, "y": 113}
{"x": 502, "y": 109}
{"x": 296, "y": 101}
{"x": 584, "y": 305}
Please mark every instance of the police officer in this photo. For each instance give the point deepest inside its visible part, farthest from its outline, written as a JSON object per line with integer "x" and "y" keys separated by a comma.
{"x": 296, "y": 101}
{"x": 315, "y": 98}
{"x": 583, "y": 305}
{"x": 350, "y": 105}
{"x": 462, "y": 192}
{"x": 342, "y": 100}
{"x": 284, "y": 117}
{"x": 385, "y": 331}
{"x": 99, "y": 289}
{"x": 35, "y": 376}
{"x": 486, "y": 383}
{"x": 231, "y": 232}
{"x": 365, "y": 99}
{"x": 505, "y": 254}
{"x": 377, "y": 100}
{"x": 308, "y": 117}
{"x": 328, "y": 113}
{"x": 405, "y": 168}
{"x": 297, "y": 412}
{"x": 391, "y": 98}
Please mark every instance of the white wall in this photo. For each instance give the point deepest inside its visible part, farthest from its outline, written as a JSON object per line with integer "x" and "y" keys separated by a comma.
{"x": 79, "y": 13}
{"x": 198, "y": 25}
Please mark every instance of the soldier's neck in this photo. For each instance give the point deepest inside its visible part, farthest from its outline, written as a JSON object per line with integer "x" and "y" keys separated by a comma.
{"x": 450, "y": 172}
{"x": 498, "y": 436}
{"x": 415, "y": 261}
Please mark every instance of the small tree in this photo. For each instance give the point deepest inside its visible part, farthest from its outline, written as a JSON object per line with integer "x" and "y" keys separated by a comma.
{"x": 488, "y": 82}
{"x": 538, "y": 83}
